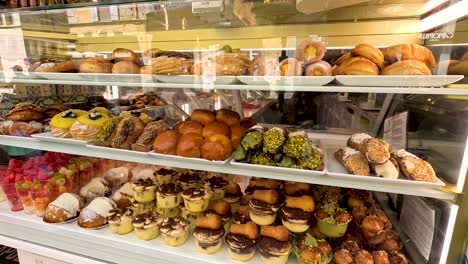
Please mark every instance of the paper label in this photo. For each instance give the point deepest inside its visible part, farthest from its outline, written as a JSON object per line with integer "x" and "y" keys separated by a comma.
{"x": 395, "y": 130}
{"x": 207, "y": 6}
{"x": 417, "y": 220}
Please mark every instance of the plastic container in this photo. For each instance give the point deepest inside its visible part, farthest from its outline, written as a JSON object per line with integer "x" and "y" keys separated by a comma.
{"x": 26, "y": 201}
{"x": 12, "y": 196}
{"x": 41, "y": 199}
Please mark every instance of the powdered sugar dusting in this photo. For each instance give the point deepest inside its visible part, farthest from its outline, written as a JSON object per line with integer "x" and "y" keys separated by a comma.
{"x": 401, "y": 153}
{"x": 347, "y": 151}
{"x": 360, "y": 138}
{"x": 101, "y": 206}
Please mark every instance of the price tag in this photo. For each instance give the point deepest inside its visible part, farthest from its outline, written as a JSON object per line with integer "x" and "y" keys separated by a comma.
{"x": 395, "y": 130}
{"x": 207, "y": 6}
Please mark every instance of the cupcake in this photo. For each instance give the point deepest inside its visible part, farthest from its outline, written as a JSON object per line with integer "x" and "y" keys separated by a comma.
{"x": 60, "y": 124}
{"x": 217, "y": 184}
{"x": 197, "y": 199}
{"x": 332, "y": 220}
{"x": 242, "y": 215}
{"x": 141, "y": 208}
{"x": 165, "y": 175}
{"x": 191, "y": 217}
{"x": 297, "y": 189}
{"x": 147, "y": 225}
{"x": 208, "y": 233}
{"x": 86, "y": 127}
{"x": 169, "y": 212}
{"x": 175, "y": 231}
{"x": 310, "y": 250}
{"x": 120, "y": 220}
{"x": 263, "y": 206}
{"x": 274, "y": 245}
{"x": 242, "y": 241}
{"x": 297, "y": 213}
{"x": 168, "y": 196}
{"x": 188, "y": 180}
{"x": 233, "y": 195}
{"x": 144, "y": 190}
{"x": 223, "y": 209}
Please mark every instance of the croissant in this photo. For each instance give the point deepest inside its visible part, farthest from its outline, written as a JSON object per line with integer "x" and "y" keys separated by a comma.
{"x": 369, "y": 52}
{"x": 407, "y": 67}
{"x": 409, "y": 52}
{"x": 357, "y": 66}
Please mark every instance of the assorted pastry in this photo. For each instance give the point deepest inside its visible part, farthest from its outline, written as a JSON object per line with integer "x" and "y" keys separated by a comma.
{"x": 278, "y": 147}
{"x": 364, "y": 155}
{"x": 23, "y": 120}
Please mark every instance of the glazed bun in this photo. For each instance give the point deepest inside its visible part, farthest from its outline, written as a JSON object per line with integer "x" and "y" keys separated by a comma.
{"x": 215, "y": 128}
{"x": 125, "y": 67}
{"x": 237, "y": 132}
{"x": 189, "y": 127}
{"x": 216, "y": 147}
{"x": 203, "y": 116}
{"x": 369, "y": 52}
{"x": 189, "y": 145}
{"x": 166, "y": 142}
{"x": 407, "y": 67}
{"x": 228, "y": 117}
{"x": 95, "y": 65}
{"x": 310, "y": 50}
{"x": 319, "y": 68}
{"x": 357, "y": 66}
{"x": 123, "y": 55}
{"x": 289, "y": 67}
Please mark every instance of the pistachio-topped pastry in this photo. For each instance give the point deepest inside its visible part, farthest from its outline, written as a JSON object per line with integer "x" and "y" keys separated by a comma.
{"x": 60, "y": 124}
{"x": 297, "y": 145}
{"x": 86, "y": 127}
{"x": 262, "y": 158}
{"x": 144, "y": 190}
{"x": 253, "y": 138}
{"x": 120, "y": 220}
{"x": 175, "y": 230}
{"x": 104, "y": 137}
{"x": 273, "y": 140}
{"x": 147, "y": 225}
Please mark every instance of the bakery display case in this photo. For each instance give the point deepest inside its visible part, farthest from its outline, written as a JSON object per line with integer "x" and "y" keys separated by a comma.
{"x": 279, "y": 131}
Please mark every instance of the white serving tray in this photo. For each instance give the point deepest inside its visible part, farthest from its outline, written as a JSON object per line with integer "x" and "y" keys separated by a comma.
{"x": 286, "y": 171}
{"x": 112, "y": 77}
{"x": 184, "y": 159}
{"x": 60, "y": 76}
{"x": 398, "y": 80}
{"x": 286, "y": 80}
{"x": 123, "y": 151}
{"x": 47, "y": 136}
{"x": 195, "y": 79}
{"x": 336, "y": 170}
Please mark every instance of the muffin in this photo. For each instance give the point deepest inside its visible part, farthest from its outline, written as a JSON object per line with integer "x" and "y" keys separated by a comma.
{"x": 141, "y": 208}
{"x": 274, "y": 245}
{"x": 233, "y": 195}
{"x": 144, "y": 190}
{"x": 188, "y": 180}
{"x": 242, "y": 241}
{"x": 168, "y": 196}
{"x": 147, "y": 225}
{"x": 170, "y": 212}
{"x": 165, "y": 175}
{"x": 120, "y": 220}
{"x": 297, "y": 213}
{"x": 191, "y": 217}
{"x": 208, "y": 233}
{"x": 175, "y": 231}
{"x": 263, "y": 206}
{"x": 60, "y": 124}
{"x": 332, "y": 220}
{"x": 217, "y": 184}
{"x": 197, "y": 199}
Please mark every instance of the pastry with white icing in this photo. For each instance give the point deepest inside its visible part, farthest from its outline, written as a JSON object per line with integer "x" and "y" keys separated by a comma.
{"x": 65, "y": 207}
{"x": 95, "y": 214}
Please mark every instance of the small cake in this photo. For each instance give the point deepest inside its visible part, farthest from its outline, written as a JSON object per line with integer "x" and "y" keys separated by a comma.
{"x": 147, "y": 225}
{"x": 86, "y": 127}
{"x": 297, "y": 213}
{"x": 141, "y": 208}
{"x": 188, "y": 180}
{"x": 242, "y": 215}
{"x": 118, "y": 176}
{"x": 120, "y": 220}
{"x": 65, "y": 207}
{"x": 274, "y": 245}
{"x": 170, "y": 212}
{"x": 208, "y": 233}
{"x": 123, "y": 196}
{"x": 296, "y": 188}
{"x": 332, "y": 220}
{"x": 233, "y": 195}
{"x": 165, "y": 175}
{"x": 97, "y": 187}
{"x": 242, "y": 241}
{"x": 197, "y": 199}
{"x": 310, "y": 250}
{"x": 168, "y": 195}
{"x": 223, "y": 209}
{"x": 60, "y": 124}
{"x": 175, "y": 231}
{"x": 95, "y": 214}
{"x": 191, "y": 217}
{"x": 144, "y": 190}
{"x": 263, "y": 206}
{"x": 217, "y": 184}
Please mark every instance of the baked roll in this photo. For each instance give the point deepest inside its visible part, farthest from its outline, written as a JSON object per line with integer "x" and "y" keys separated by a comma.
{"x": 65, "y": 207}
{"x": 128, "y": 131}
{"x": 356, "y": 66}
{"x": 407, "y": 67}
{"x": 228, "y": 117}
{"x": 95, "y": 214}
{"x": 189, "y": 127}
{"x": 166, "y": 142}
{"x": 343, "y": 58}
{"x": 409, "y": 52}
{"x": 95, "y": 65}
{"x": 369, "y": 52}
{"x": 23, "y": 129}
{"x": 189, "y": 145}
{"x": 171, "y": 65}
{"x": 151, "y": 131}
{"x": 354, "y": 161}
{"x": 117, "y": 177}
{"x": 263, "y": 67}
{"x": 289, "y": 67}
{"x": 310, "y": 50}
{"x": 203, "y": 116}
{"x": 5, "y": 127}
{"x": 374, "y": 149}
{"x": 223, "y": 64}
{"x": 125, "y": 67}
{"x": 319, "y": 68}
{"x": 216, "y": 147}
{"x": 414, "y": 167}
{"x": 215, "y": 128}
{"x": 24, "y": 112}
{"x": 121, "y": 54}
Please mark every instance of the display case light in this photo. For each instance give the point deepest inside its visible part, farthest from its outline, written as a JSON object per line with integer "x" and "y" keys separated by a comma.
{"x": 444, "y": 16}
{"x": 463, "y": 169}
{"x": 448, "y": 233}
